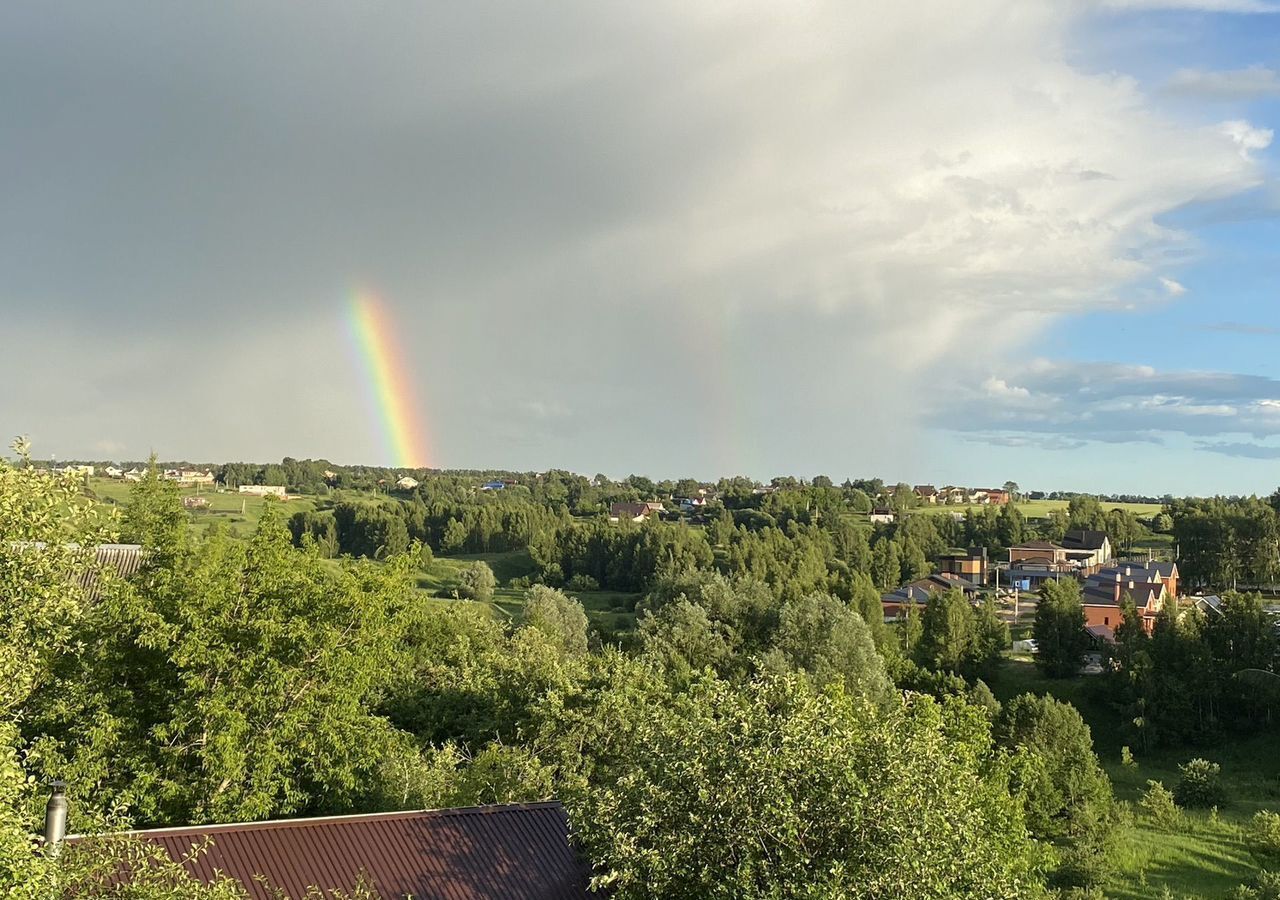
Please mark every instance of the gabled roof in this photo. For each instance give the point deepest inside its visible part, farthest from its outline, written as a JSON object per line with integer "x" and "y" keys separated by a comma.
{"x": 1084, "y": 540}
{"x": 1037, "y": 545}
{"x": 514, "y": 851}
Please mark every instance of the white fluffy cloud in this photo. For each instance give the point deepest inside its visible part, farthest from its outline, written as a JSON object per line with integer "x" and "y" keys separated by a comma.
{"x": 1060, "y": 402}
{"x": 726, "y": 218}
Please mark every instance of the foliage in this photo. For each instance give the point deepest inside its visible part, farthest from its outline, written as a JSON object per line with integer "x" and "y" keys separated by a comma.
{"x": 1199, "y": 785}
{"x": 1062, "y": 783}
{"x": 830, "y": 644}
{"x": 477, "y": 583}
{"x": 1158, "y": 805}
{"x": 775, "y": 790}
{"x": 236, "y": 685}
{"x": 1262, "y": 838}
{"x": 1061, "y": 640}
{"x": 559, "y": 617}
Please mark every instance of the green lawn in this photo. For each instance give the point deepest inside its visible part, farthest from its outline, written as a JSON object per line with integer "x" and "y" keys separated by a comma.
{"x": 609, "y": 612}
{"x": 1200, "y": 858}
{"x": 240, "y": 512}
{"x": 1039, "y": 509}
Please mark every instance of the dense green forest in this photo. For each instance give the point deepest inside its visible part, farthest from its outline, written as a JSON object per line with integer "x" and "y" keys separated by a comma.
{"x": 762, "y": 732}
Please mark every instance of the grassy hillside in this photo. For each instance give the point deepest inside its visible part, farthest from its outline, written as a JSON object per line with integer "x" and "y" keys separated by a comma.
{"x": 240, "y": 512}
{"x": 1039, "y": 509}
{"x": 1203, "y": 856}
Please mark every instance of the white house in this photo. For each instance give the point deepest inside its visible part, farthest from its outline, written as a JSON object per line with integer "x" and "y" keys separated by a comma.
{"x": 263, "y": 490}
{"x": 406, "y": 483}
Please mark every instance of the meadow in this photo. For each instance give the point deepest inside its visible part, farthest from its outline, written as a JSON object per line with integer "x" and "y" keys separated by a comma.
{"x": 240, "y": 512}
{"x": 1039, "y": 509}
{"x": 1203, "y": 856}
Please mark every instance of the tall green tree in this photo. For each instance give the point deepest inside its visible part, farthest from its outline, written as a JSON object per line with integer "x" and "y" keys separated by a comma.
{"x": 1061, "y": 640}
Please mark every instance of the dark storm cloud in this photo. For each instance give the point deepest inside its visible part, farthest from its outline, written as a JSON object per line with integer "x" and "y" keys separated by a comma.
{"x": 663, "y": 238}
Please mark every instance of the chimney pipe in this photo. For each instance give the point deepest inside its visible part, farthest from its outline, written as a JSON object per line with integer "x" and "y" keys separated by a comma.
{"x": 55, "y": 819}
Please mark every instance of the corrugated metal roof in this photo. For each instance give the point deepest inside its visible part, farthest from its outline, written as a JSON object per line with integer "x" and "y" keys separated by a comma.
{"x": 518, "y": 851}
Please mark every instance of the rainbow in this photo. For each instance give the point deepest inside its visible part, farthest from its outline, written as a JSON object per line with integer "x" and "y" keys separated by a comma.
{"x": 389, "y": 383}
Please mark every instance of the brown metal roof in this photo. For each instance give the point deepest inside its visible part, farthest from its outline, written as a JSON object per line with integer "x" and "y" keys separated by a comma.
{"x": 517, "y": 851}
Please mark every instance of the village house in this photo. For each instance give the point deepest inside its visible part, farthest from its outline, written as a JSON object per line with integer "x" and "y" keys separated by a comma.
{"x": 917, "y": 593}
{"x": 406, "y": 483}
{"x": 953, "y": 495}
{"x": 263, "y": 490}
{"x": 113, "y": 472}
{"x": 1150, "y": 585}
{"x": 1090, "y": 549}
{"x": 926, "y": 493}
{"x": 195, "y": 503}
{"x": 881, "y": 515}
{"x": 633, "y": 511}
{"x": 970, "y": 565}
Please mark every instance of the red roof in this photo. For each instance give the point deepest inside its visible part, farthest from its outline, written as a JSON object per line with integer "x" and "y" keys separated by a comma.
{"x": 514, "y": 851}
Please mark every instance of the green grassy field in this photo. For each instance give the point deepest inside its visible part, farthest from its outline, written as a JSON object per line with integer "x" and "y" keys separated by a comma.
{"x": 1039, "y": 509}
{"x": 1203, "y": 857}
{"x": 240, "y": 512}
{"x": 609, "y": 612}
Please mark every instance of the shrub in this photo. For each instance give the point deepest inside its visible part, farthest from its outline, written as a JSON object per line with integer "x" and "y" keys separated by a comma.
{"x": 1262, "y": 838}
{"x": 477, "y": 583}
{"x": 1200, "y": 785}
{"x": 1266, "y": 886}
{"x": 582, "y": 582}
{"x": 1126, "y": 758}
{"x": 1159, "y": 806}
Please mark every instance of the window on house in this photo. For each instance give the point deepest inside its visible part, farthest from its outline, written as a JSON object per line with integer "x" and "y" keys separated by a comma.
{"x": 1106, "y": 620}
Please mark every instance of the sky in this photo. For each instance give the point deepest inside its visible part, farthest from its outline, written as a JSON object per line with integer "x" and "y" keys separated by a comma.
{"x": 948, "y": 242}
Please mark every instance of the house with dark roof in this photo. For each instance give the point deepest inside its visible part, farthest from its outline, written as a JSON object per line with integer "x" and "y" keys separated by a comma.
{"x": 926, "y": 493}
{"x": 513, "y": 852}
{"x": 1092, "y": 549}
{"x": 1150, "y": 585}
{"x": 970, "y": 564}
{"x": 917, "y": 593}
{"x": 1032, "y": 563}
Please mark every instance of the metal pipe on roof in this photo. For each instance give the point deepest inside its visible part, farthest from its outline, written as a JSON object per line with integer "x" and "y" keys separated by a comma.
{"x": 55, "y": 818}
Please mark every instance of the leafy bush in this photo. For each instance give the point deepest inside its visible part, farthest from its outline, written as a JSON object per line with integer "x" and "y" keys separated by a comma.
{"x": 1126, "y": 758}
{"x": 1262, "y": 838}
{"x": 1159, "y": 806}
{"x": 1200, "y": 785}
{"x": 477, "y": 583}
{"x": 1266, "y": 886}
{"x": 582, "y": 582}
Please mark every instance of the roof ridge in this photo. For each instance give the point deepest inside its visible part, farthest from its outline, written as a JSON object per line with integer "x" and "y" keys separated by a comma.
{"x": 312, "y": 821}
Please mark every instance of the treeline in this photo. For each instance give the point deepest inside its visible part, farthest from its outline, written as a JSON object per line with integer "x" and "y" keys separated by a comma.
{"x": 1227, "y": 542}
{"x": 758, "y": 742}
{"x": 1201, "y": 673}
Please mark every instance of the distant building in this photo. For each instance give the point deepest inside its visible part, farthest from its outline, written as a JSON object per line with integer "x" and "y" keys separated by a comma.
{"x": 633, "y": 512}
{"x": 1150, "y": 585}
{"x": 971, "y": 565}
{"x": 927, "y": 493}
{"x": 113, "y": 472}
{"x": 493, "y": 486}
{"x": 881, "y": 515}
{"x": 195, "y": 503}
{"x": 75, "y": 469}
{"x": 263, "y": 490}
{"x": 188, "y": 476}
{"x": 917, "y": 593}
{"x": 1091, "y": 548}
{"x": 406, "y": 483}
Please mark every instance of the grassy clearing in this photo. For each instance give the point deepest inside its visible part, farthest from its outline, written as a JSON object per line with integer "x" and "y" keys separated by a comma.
{"x": 1201, "y": 857}
{"x": 240, "y": 512}
{"x": 609, "y": 612}
{"x": 1039, "y": 509}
